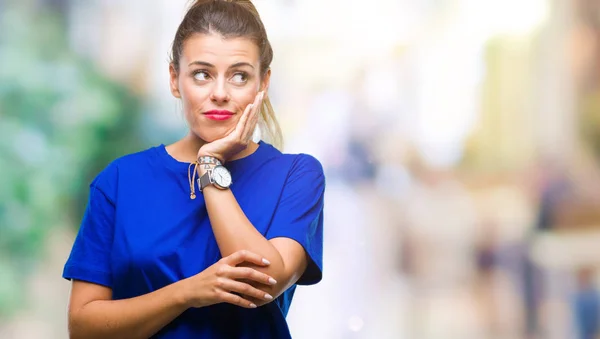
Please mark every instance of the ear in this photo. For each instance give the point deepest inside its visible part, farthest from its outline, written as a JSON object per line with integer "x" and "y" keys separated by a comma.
{"x": 265, "y": 82}
{"x": 173, "y": 81}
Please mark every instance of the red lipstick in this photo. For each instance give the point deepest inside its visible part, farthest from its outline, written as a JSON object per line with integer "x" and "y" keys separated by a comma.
{"x": 218, "y": 115}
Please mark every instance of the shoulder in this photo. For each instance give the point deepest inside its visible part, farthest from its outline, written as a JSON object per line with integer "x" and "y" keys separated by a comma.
{"x": 296, "y": 161}
{"x": 304, "y": 169}
{"x": 304, "y": 163}
{"x": 124, "y": 166}
{"x": 134, "y": 159}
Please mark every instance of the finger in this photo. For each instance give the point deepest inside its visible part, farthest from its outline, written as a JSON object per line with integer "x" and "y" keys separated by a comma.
{"x": 231, "y": 133}
{"x": 250, "y": 274}
{"x": 235, "y": 299}
{"x": 258, "y": 98}
{"x": 251, "y": 124}
{"x": 239, "y": 127}
{"x": 243, "y": 288}
{"x": 245, "y": 256}
{"x": 256, "y": 116}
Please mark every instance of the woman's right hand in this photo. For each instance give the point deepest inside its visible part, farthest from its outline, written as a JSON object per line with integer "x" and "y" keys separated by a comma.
{"x": 222, "y": 282}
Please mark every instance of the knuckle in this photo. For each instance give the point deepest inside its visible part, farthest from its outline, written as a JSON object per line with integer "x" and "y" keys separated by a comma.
{"x": 220, "y": 295}
{"x": 220, "y": 282}
{"x": 221, "y": 271}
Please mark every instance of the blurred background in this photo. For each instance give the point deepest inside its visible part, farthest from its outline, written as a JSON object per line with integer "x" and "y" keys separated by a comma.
{"x": 460, "y": 139}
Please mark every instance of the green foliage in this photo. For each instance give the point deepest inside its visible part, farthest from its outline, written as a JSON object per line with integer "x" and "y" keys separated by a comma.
{"x": 61, "y": 122}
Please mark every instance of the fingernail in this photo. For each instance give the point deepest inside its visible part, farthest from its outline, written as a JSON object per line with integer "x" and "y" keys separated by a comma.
{"x": 272, "y": 281}
{"x": 266, "y": 262}
{"x": 252, "y": 305}
{"x": 268, "y": 296}
{"x": 251, "y": 106}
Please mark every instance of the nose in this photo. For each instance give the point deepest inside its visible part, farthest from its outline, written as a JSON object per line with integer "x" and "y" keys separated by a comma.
{"x": 219, "y": 94}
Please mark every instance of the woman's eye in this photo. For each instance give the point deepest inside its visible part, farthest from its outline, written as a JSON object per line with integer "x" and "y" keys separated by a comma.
{"x": 239, "y": 78}
{"x": 201, "y": 76}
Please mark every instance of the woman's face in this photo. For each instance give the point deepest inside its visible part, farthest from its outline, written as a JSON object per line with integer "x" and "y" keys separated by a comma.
{"x": 217, "y": 79}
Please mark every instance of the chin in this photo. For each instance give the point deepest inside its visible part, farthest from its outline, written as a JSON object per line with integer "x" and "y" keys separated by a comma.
{"x": 210, "y": 135}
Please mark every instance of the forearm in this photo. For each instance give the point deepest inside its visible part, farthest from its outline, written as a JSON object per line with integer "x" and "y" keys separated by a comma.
{"x": 139, "y": 317}
{"x": 233, "y": 232}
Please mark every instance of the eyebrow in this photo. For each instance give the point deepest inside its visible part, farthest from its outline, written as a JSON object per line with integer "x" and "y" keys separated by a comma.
{"x": 206, "y": 64}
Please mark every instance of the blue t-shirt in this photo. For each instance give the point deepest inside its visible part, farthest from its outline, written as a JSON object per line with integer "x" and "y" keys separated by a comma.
{"x": 141, "y": 232}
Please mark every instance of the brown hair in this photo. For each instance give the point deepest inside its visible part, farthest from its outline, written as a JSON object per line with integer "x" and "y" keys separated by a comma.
{"x": 231, "y": 19}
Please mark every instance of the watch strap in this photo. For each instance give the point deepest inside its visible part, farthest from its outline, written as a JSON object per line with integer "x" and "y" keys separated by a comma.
{"x": 205, "y": 180}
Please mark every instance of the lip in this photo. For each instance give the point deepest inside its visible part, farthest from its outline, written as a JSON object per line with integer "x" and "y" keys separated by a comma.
{"x": 219, "y": 115}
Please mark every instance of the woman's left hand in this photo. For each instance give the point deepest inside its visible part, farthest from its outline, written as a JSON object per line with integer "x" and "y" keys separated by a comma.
{"x": 236, "y": 141}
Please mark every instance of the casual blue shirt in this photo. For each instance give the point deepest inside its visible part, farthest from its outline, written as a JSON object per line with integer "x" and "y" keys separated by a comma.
{"x": 141, "y": 232}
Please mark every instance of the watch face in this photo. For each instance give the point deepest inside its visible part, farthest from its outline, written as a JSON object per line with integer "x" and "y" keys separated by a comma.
{"x": 221, "y": 176}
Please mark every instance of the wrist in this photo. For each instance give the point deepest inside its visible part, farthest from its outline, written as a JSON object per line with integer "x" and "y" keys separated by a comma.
{"x": 211, "y": 172}
{"x": 208, "y": 159}
{"x": 203, "y": 168}
{"x": 183, "y": 295}
{"x": 203, "y": 154}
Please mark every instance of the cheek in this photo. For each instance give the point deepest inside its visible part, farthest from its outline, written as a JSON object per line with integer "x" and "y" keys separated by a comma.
{"x": 244, "y": 98}
{"x": 193, "y": 96}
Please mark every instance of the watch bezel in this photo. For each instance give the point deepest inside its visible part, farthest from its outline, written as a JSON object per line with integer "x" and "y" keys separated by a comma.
{"x": 220, "y": 184}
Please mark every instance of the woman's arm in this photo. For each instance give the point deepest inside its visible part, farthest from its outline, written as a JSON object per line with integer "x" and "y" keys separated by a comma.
{"x": 92, "y": 313}
{"x": 232, "y": 229}
{"x": 233, "y": 232}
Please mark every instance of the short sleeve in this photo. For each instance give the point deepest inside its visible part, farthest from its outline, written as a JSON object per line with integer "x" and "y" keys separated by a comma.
{"x": 90, "y": 256}
{"x": 299, "y": 214}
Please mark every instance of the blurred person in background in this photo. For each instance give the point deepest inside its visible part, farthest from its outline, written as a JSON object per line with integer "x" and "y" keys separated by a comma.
{"x": 586, "y": 305}
{"x": 554, "y": 188}
{"x": 486, "y": 248}
{"x": 152, "y": 258}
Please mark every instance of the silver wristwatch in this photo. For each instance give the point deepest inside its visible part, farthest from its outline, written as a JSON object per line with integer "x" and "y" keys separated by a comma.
{"x": 218, "y": 176}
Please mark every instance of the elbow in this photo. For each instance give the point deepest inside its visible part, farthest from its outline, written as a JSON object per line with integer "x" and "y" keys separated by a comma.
{"x": 74, "y": 335}
{"x": 76, "y": 325}
{"x": 284, "y": 282}
{"x": 274, "y": 290}
{"x": 285, "y": 275}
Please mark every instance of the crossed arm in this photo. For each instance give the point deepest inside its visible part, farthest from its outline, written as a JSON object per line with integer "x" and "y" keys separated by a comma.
{"x": 234, "y": 232}
{"x": 93, "y": 313}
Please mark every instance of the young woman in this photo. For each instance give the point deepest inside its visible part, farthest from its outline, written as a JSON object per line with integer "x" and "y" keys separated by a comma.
{"x": 206, "y": 237}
